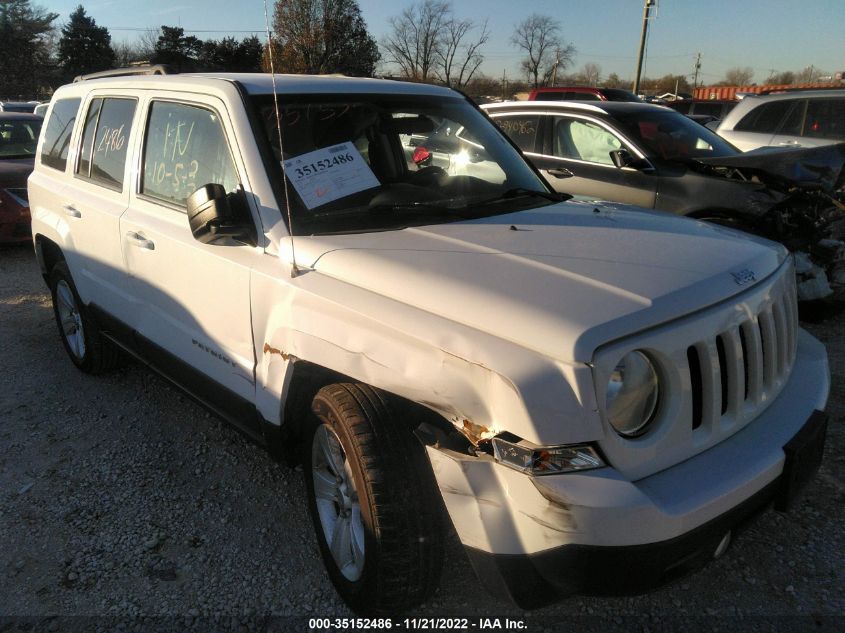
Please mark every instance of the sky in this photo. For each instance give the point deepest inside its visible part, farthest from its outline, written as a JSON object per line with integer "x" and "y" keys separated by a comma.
{"x": 766, "y": 35}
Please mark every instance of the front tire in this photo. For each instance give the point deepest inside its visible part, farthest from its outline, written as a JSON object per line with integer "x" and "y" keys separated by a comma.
{"x": 374, "y": 502}
{"x": 81, "y": 337}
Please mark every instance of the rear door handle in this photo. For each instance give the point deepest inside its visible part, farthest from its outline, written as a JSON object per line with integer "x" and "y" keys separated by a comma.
{"x": 138, "y": 240}
{"x": 790, "y": 143}
{"x": 560, "y": 172}
{"x": 72, "y": 211}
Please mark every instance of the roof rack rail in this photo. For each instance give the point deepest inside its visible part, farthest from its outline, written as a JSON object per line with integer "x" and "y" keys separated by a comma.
{"x": 156, "y": 69}
{"x": 775, "y": 91}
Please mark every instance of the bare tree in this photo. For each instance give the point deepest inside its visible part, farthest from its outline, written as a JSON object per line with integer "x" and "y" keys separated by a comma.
{"x": 458, "y": 60}
{"x": 739, "y": 76}
{"x": 614, "y": 81}
{"x": 807, "y": 75}
{"x": 416, "y": 38}
{"x": 786, "y": 77}
{"x": 590, "y": 74}
{"x": 146, "y": 43}
{"x": 539, "y": 37}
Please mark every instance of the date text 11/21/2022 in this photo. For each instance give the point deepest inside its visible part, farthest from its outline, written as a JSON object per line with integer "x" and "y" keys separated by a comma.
{"x": 417, "y": 624}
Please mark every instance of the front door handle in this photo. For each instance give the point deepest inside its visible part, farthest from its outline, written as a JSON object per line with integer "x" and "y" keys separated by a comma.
{"x": 136, "y": 239}
{"x": 560, "y": 172}
{"x": 72, "y": 211}
{"x": 790, "y": 143}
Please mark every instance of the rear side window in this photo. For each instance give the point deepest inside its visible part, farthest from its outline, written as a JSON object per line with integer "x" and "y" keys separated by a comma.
{"x": 185, "y": 148}
{"x": 825, "y": 119}
{"x": 57, "y": 133}
{"x": 105, "y": 141}
{"x": 765, "y": 117}
{"x": 522, "y": 129}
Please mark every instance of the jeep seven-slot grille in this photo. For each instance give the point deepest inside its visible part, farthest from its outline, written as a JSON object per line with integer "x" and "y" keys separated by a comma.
{"x": 742, "y": 367}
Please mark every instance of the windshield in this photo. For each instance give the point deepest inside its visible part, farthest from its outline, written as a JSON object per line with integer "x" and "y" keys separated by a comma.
{"x": 381, "y": 162}
{"x": 672, "y": 136}
{"x": 18, "y": 137}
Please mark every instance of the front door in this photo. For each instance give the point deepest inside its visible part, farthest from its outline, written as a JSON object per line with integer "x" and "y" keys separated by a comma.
{"x": 576, "y": 160}
{"x": 193, "y": 298}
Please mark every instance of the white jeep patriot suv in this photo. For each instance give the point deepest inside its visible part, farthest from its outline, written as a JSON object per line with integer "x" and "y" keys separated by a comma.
{"x": 594, "y": 397}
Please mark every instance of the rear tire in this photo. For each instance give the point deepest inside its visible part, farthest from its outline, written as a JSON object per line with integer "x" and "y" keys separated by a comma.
{"x": 82, "y": 339}
{"x": 374, "y": 501}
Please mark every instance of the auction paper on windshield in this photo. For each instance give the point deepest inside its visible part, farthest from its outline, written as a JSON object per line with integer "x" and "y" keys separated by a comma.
{"x": 329, "y": 173}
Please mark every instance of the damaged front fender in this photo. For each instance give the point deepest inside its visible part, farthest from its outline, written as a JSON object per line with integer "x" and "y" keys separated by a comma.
{"x": 483, "y": 385}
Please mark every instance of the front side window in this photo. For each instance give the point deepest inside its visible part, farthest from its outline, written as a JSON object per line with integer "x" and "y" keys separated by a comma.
{"x": 765, "y": 118}
{"x": 184, "y": 149}
{"x": 374, "y": 162}
{"x": 584, "y": 140}
{"x": 671, "y": 136}
{"x": 57, "y": 135}
{"x": 105, "y": 140}
{"x": 521, "y": 128}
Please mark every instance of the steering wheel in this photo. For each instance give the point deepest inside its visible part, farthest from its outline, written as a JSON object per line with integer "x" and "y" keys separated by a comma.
{"x": 427, "y": 175}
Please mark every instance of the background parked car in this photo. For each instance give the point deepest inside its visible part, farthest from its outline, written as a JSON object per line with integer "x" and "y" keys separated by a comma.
{"x": 581, "y": 93}
{"x": 790, "y": 119}
{"x": 657, "y": 158}
{"x": 18, "y": 106}
{"x": 18, "y": 139}
{"x": 717, "y": 108}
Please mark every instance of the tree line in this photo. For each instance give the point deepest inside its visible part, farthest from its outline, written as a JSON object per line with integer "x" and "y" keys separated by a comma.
{"x": 427, "y": 42}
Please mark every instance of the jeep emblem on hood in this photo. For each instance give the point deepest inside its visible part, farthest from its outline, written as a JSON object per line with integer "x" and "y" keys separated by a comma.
{"x": 744, "y": 276}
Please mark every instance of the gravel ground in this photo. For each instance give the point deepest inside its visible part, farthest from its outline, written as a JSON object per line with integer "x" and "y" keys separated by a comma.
{"x": 121, "y": 497}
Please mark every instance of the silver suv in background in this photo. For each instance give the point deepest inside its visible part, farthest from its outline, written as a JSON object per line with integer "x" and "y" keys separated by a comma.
{"x": 808, "y": 118}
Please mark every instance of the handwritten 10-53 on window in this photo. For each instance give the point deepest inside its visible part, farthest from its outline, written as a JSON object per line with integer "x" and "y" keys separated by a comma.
{"x": 185, "y": 148}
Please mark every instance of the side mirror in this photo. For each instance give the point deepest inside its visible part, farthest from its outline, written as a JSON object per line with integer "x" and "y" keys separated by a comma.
{"x": 622, "y": 158}
{"x": 214, "y": 214}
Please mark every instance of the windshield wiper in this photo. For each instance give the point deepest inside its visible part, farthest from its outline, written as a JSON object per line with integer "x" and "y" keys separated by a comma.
{"x": 516, "y": 192}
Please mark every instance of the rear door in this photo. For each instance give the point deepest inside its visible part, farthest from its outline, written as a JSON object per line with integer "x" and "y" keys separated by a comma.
{"x": 192, "y": 299}
{"x": 96, "y": 197}
{"x": 813, "y": 122}
{"x": 759, "y": 127}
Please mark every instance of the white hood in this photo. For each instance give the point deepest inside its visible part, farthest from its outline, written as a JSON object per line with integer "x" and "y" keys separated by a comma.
{"x": 560, "y": 280}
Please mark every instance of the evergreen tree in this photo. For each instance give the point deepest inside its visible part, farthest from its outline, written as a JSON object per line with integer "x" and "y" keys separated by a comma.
{"x": 84, "y": 47}
{"x": 25, "y": 69}
{"x": 179, "y": 51}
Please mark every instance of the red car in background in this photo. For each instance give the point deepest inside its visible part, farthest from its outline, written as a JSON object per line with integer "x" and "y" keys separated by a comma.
{"x": 18, "y": 140}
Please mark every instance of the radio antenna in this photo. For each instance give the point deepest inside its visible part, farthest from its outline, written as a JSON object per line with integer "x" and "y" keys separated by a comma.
{"x": 294, "y": 271}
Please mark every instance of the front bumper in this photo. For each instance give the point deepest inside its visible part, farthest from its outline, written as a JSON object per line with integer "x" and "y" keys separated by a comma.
{"x": 536, "y": 539}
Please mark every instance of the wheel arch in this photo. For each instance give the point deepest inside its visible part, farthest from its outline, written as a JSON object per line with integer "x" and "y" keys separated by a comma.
{"x": 48, "y": 254}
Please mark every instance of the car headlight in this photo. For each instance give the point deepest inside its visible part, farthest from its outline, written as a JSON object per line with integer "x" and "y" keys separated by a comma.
{"x": 632, "y": 394}
{"x": 545, "y": 460}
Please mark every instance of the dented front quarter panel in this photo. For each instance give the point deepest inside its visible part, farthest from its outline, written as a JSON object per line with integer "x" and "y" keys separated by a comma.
{"x": 480, "y": 383}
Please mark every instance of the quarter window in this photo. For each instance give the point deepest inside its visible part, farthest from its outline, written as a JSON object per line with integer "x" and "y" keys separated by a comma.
{"x": 184, "y": 149}
{"x": 522, "y": 130}
{"x": 105, "y": 140}
{"x": 57, "y": 134}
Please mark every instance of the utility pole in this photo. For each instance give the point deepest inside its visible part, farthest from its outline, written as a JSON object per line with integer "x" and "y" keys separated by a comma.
{"x": 554, "y": 68}
{"x": 646, "y": 10}
{"x": 695, "y": 72}
{"x": 504, "y": 83}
